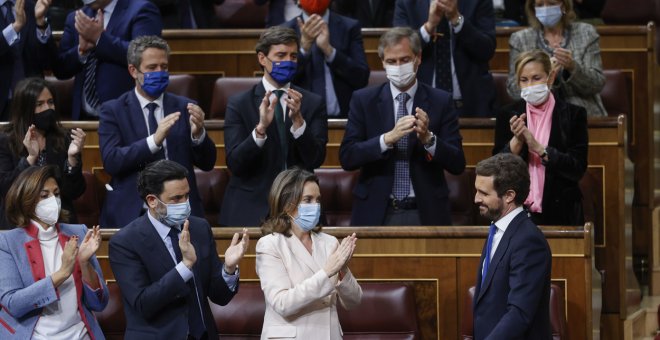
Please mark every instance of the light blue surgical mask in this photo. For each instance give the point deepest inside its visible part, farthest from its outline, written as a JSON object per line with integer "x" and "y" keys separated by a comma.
{"x": 176, "y": 214}
{"x": 308, "y": 216}
{"x": 155, "y": 83}
{"x": 549, "y": 16}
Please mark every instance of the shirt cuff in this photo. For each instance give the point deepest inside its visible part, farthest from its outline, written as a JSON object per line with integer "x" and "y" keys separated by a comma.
{"x": 459, "y": 26}
{"x": 186, "y": 274}
{"x": 151, "y": 142}
{"x": 43, "y": 36}
{"x": 302, "y": 51}
{"x": 231, "y": 279}
{"x": 82, "y": 57}
{"x": 298, "y": 132}
{"x": 10, "y": 35}
{"x": 329, "y": 59}
{"x": 260, "y": 142}
{"x": 425, "y": 35}
{"x": 198, "y": 141}
{"x": 383, "y": 146}
{"x": 431, "y": 149}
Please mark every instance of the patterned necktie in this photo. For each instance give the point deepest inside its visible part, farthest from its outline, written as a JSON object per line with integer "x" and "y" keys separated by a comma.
{"x": 401, "y": 187}
{"x": 491, "y": 235}
{"x": 281, "y": 127}
{"x": 153, "y": 126}
{"x": 89, "y": 83}
{"x": 443, "y": 77}
{"x": 195, "y": 319}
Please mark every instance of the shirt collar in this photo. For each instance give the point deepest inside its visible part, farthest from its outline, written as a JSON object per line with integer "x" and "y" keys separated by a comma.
{"x": 107, "y": 10}
{"x": 325, "y": 16}
{"x": 504, "y": 222}
{"x": 144, "y": 101}
{"x": 162, "y": 230}
{"x": 411, "y": 91}
{"x": 2, "y": 2}
{"x": 269, "y": 87}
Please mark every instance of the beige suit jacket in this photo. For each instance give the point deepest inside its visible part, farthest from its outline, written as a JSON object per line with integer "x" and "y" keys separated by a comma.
{"x": 301, "y": 301}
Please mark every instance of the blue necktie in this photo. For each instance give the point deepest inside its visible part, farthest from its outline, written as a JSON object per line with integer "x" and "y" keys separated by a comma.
{"x": 281, "y": 127}
{"x": 491, "y": 235}
{"x": 195, "y": 320}
{"x": 153, "y": 126}
{"x": 89, "y": 83}
{"x": 401, "y": 187}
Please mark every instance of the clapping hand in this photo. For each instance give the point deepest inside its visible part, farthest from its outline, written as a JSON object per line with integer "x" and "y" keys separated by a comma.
{"x": 75, "y": 147}
{"x": 89, "y": 245}
{"x": 236, "y": 250}
{"x": 187, "y": 249}
{"x": 339, "y": 258}
{"x": 196, "y": 120}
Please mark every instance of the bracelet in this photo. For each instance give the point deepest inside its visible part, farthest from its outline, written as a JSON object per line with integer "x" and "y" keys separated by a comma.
{"x": 259, "y": 134}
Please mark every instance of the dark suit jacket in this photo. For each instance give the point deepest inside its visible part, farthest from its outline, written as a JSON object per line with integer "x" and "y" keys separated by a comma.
{"x": 154, "y": 294}
{"x": 72, "y": 185}
{"x": 202, "y": 10}
{"x": 473, "y": 47}
{"x": 32, "y": 52}
{"x": 371, "y": 115}
{"x": 381, "y": 16}
{"x": 514, "y": 300}
{"x": 567, "y": 160}
{"x": 130, "y": 19}
{"x": 253, "y": 169}
{"x": 275, "y": 11}
{"x": 349, "y": 69}
{"x": 123, "y": 141}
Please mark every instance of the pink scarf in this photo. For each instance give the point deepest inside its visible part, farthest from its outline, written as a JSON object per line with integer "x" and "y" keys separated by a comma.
{"x": 539, "y": 123}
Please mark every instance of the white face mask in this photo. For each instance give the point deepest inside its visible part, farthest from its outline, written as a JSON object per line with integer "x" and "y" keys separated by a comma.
{"x": 401, "y": 75}
{"x": 48, "y": 210}
{"x": 535, "y": 94}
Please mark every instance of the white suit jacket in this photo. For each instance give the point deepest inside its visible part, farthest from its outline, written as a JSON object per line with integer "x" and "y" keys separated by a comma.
{"x": 301, "y": 301}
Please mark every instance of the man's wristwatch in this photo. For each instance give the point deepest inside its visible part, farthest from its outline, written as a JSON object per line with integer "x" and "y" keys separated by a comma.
{"x": 44, "y": 26}
{"x": 458, "y": 22}
{"x": 431, "y": 140}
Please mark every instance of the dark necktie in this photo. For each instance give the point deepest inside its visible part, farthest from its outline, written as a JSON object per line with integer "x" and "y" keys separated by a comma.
{"x": 443, "y": 77}
{"x": 318, "y": 71}
{"x": 89, "y": 83}
{"x": 401, "y": 187}
{"x": 281, "y": 127}
{"x": 16, "y": 48}
{"x": 185, "y": 14}
{"x": 195, "y": 321}
{"x": 153, "y": 126}
{"x": 489, "y": 246}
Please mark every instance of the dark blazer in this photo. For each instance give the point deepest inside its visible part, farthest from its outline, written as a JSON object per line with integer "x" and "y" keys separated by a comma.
{"x": 253, "y": 168}
{"x": 202, "y": 10}
{"x": 567, "y": 160}
{"x": 275, "y": 11}
{"x": 349, "y": 69}
{"x": 381, "y": 16}
{"x": 72, "y": 184}
{"x": 130, "y": 19}
{"x": 31, "y": 51}
{"x": 124, "y": 150}
{"x": 473, "y": 47}
{"x": 371, "y": 115}
{"x": 513, "y": 302}
{"x": 154, "y": 294}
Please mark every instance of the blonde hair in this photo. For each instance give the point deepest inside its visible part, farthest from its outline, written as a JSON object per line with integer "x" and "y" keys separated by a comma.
{"x": 533, "y": 56}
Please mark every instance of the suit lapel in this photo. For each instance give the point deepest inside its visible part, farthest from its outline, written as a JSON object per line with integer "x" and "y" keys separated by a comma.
{"x": 386, "y": 108}
{"x": 301, "y": 254}
{"x": 135, "y": 116}
{"x": 154, "y": 245}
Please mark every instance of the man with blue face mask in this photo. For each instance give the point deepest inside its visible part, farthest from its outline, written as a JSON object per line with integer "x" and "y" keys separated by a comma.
{"x": 166, "y": 263}
{"x": 402, "y": 135}
{"x": 269, "y": 128}
{"x": 93, "y": 50}
{"x": 147, "y": 124}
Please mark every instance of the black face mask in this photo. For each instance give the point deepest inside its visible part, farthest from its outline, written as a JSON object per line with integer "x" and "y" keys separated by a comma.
{"x": 45, "y": 120}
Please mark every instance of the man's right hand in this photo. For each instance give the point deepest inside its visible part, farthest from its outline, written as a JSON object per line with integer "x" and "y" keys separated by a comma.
{"x": 266, "y": 112}
{"x": 187, "y": 249}
{"x": 19, "y": 18}
{"x": 435, "y": 15}
{"x": 164, "y": 127}
{"x": 403, "y": 126}
{"x": 309, "y": 30}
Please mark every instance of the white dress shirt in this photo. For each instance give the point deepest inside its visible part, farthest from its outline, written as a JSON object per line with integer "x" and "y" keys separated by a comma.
{"x": 295, "y": 132}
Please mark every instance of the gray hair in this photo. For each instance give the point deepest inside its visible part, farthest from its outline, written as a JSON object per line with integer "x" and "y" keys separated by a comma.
{"x": 394, "y": 36}
{"x": 139, "y": 44}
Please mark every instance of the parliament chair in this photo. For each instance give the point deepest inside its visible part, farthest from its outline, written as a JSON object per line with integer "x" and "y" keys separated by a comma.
{"x": 63, "y": 96}
{"x": 502, "y": 96}
{"x": 211, "y": 186}
{"x": 616, "y": 93}
{"x": 557, "y": 314}
{"x": 112, "y": 319}
{"x": 226, "y": 87}
{"x": 184, "y": 85}
{"x": 377, "y": 78}
{"x": 336, "y": 195}
{"x": 240, "y": 14}
{"x": 88, "y": 205}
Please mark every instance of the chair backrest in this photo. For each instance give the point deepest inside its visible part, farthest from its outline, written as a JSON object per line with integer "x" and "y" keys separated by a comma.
{"x": 211, "y": 186}
{"x": 616, "y": 93}
{"x": 241, "y": 14}
{"x": 557, "y": 314}
{"x": 337, "y": 195}
{"x": 243, "y": 317}
{"x": 226, "y": 87}
{"x": 631, "y": 12}
{"x": 503, "y": 98}
{"x": 112, "y": 319}
{"x": 63, "y": 96}
{"x": 88, "y": 205}
{"x": 184, "y": 85}
{"x": 377, "y": 78}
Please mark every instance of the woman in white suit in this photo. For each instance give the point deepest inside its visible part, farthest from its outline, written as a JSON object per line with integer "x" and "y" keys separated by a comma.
{"x": 303, "y": 271}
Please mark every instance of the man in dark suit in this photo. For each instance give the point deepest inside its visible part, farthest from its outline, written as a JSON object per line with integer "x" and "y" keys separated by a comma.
{"x": 269, "y": 128}
{"x": 146, "y": 124}
{"x": 279, "y": 11}
{"x": 166, "y": 263}
{"x": 24, "y": 44}
{"x": 513, "y": 281}
{"x": 93, "y": 49}
{"x": 402, "y": 135}
{"x": 459, "y": 41}
{"x": 370, "y": 13}
{"x": 331, "y": 62}
{"x": 188, "y": 13}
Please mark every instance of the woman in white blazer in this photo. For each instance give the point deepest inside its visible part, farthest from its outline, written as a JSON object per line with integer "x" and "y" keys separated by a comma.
{"x": 303, "y": 271}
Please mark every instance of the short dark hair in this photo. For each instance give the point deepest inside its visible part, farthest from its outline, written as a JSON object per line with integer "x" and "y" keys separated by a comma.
{"x": 23, "y": 195}
{"x": 509, "y": 172}
{"x": 151, "y": 180}
{"x": 276, "y": 35}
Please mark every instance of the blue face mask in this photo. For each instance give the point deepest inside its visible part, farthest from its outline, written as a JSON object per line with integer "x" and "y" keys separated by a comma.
{"x": 549, "y": 16}
{"x": 155, "y": 83}
{"x": 283, "y": 71}
{"x": 308, "y": 216}
{"x": 177, "y": 213}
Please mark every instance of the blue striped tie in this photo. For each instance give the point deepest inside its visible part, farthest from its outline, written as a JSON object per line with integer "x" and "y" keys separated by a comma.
{"x": 401, "y": 187}
{"x": 491, "y": 235}
{"x": 89, "y": 83}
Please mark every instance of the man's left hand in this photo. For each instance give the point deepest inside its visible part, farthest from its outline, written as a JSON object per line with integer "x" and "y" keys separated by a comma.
{"x": 450, "y": 8}
{"x": 422, "y": 126}
{"x": 236, "y": 251}
{"x": 89, "y": 28}
{"x": 293, "y": 102}
{"x": 196, "y": 120}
